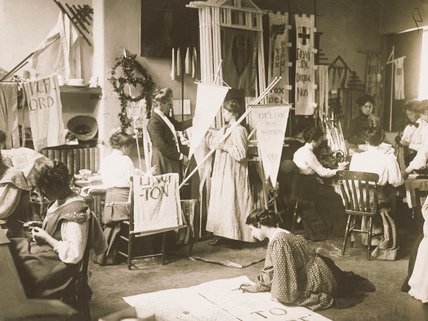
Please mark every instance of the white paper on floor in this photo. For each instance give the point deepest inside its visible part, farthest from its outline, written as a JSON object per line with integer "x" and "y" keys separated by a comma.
{"x": 218, "y": 300}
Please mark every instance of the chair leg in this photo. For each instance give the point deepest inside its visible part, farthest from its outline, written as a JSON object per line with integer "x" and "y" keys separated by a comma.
{"x": 345, "y": 239}
{"x": 369, "y": 239}
{"x": 352, "y": 233}
{"x": 130, "y": 247}
{"x": 163, "y": 248}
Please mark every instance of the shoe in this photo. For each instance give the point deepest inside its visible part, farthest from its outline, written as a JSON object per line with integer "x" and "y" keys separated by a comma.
{"x": 217, "y": 241}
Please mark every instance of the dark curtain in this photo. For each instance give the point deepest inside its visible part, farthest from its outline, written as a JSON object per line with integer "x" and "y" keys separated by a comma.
{"x": 167, "y": 24}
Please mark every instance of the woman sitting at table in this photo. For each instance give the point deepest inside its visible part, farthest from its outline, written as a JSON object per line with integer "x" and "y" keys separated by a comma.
{"x": 48, "y": 263}
{"x": 384, "y": 163}
{"x": 14, "y": 199}
{"x": 296, "y": 275}
{"x": 365, "y": 120}
{"x": 328, "y": 217}
{"x": 116, "y": 170}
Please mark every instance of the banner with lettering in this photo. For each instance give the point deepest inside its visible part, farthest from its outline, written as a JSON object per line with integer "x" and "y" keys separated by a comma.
{"x": 45, "y": 112}
{"x": 220, "y": 300}
{"x": 156, "y": 202}
{"x": 305, "y": 66}
{"x": 270, "y": 123}
{"x": 279, "y": 56}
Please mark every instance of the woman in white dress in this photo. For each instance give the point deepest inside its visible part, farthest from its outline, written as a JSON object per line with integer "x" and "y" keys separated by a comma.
{"x": 230, "y": 199}
{"x": 418, "y": 281}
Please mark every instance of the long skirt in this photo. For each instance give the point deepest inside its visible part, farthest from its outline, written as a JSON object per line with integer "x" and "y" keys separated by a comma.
{"x": 116, "y": 210}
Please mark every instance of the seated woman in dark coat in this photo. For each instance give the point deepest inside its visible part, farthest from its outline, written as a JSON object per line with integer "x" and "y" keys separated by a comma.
{"x": 47, "y": 264}
{"x": 296, "y": 275}
{"x": 365, "y": 120}
{"x": 327, "y": 218}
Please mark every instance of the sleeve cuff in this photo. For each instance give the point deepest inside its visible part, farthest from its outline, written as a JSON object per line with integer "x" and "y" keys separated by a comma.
{"x": 181, "y": 156}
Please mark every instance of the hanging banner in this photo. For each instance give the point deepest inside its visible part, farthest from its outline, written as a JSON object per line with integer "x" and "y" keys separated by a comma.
{"x": 322, "y": 71}
{"x": 399, "y": 78}
{"x": 45, "y": 112}
{"x": 270, "y": 123}
{"x": 279, "y": 56}
{"x": 156, "y": 202}
{"x": 209, "y": 99}
{"x": 305, "y": 68}
{"x": 374, "y": 79}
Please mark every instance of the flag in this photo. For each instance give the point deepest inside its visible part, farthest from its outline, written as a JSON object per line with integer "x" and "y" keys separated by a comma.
{"x": 55, "y": 53}
{"x": 270, "y": 123}
{"x": 209, "y": 99}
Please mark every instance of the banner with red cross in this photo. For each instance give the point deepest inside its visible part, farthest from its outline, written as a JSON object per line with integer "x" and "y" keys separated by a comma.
{"x": 305, "y": 65}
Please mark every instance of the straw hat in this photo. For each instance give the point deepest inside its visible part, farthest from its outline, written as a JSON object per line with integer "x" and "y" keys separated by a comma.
{"x": 83, "y": 127}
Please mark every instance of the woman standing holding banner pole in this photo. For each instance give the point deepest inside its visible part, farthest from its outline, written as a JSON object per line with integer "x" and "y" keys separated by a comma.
{"x": 230, "y": 198}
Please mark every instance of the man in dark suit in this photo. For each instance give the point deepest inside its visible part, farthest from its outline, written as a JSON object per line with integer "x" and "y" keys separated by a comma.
{"x": 167, "y": 150}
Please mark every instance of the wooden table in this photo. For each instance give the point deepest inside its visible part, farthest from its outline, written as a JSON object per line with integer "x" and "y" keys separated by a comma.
{"x": 411, "y": 185}
{"x": 14, "y": 304}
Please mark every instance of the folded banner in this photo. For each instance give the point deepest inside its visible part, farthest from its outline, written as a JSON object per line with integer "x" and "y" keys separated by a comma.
{"x": 270, "y": 123}
{"x": 305, "y": 68}
{"x": 156, "y": 202}
{"x": 9, "y": 113}
{"x": 209, "y": 99}
{"x": 279, "y": 56}
{"x": 399, "y": 78}
{"x": 45, "y": 112}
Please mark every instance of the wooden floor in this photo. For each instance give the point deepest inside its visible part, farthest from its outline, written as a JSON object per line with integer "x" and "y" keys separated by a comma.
{"x": 388, "y": 303}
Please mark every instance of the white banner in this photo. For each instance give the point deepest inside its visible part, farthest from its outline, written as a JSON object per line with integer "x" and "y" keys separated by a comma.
{"x": 156, "y": 202}
{"x": 271, "y": 123}
{"x": 45, "y": 112}
{"x": 208, "y": 101}
{"x": 279, "y": 56}
{"x": 399, "y": 78}
{"x": 305, "y": 66}
{"x": 219, "y": 300}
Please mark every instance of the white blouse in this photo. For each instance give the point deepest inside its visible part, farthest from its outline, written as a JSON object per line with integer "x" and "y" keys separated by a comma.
{"x": 116, "y": 169}
{"x": 74, "y": 238}
{"x": 421, "y": 157}
{"x": 379, "y": 161}
{"x": 308, "y": 163}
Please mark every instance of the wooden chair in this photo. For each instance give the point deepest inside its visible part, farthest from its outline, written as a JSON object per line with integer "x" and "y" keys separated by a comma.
{"x": 360, "y": 195}
{"x": 132, "y": 235}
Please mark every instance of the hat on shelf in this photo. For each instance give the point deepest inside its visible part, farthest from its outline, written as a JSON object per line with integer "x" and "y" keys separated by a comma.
{"x": 83, "y": 127}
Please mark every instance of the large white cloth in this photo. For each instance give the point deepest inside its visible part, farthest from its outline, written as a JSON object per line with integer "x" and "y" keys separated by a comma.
{"x": 379, "y": 161}
{"x": 116, "y": 169}
{"x": 421, "y": 157}
{"x": 22, "y": 158}
{"x": 45, "y": 112}
{"x": 308, "y": 163}
{"x": 418, "y": 281}
{"x": 59, "y": 52}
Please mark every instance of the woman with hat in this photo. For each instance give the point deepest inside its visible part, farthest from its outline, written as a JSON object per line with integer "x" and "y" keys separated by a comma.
{"x": 230, "y": 200}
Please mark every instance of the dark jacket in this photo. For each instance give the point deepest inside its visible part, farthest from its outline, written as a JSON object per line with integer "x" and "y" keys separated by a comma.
{"x": 164, "y": 150}
{"x": 359, "y": 125}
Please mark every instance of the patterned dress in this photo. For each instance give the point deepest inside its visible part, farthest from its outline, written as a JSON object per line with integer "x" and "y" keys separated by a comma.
{"x": 295, "y": 274}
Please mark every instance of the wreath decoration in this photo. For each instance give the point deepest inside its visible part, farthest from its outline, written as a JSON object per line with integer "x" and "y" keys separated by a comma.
{"x": 133, "y": 74}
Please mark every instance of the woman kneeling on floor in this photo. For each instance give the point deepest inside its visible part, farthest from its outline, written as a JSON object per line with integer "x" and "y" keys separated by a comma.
{"x": 296, "y": 275}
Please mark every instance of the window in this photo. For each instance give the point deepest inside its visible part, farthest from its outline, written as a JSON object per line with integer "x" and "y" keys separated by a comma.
{"x": 423, "y": 76}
